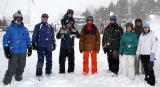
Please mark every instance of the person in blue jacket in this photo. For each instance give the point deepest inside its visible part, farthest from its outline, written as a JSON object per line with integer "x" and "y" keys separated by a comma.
{"x": 67, "y": 36}
{"x": 44, "y": 42}
{"x": 16, "y": 41}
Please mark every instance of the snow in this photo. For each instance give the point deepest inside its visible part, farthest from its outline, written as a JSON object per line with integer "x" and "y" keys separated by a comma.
{"x": 76, "y": 79}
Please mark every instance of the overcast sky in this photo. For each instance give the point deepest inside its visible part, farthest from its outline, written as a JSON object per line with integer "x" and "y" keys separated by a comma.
{"x": 55, "y": 8}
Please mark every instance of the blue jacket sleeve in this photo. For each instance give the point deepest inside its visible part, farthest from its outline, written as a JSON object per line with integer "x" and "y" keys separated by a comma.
{"x": 6, "y": 38}
{"x": 28, "y": 38}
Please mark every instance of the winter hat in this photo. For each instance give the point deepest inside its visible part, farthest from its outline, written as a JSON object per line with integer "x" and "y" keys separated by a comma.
{"x": 129, "y": 24}
{"x": 45, "y": 15}
{"x": 138, "y": 20}
{"x": 17, "y": 14}
{"x": 70, "y": 11}
{"x": 89, "y": 18}
{"x": 146, "y": 25}
{"x": 113, "y": 18}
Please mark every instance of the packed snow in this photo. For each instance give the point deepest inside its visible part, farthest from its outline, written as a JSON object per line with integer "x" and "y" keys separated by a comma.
{"x": 76, "y": 79}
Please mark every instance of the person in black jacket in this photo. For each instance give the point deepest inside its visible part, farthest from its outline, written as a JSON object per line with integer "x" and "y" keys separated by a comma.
{"x": 68, "y": 17}
{"x": 67, "y": 35}
{"x": 110, "y": 44}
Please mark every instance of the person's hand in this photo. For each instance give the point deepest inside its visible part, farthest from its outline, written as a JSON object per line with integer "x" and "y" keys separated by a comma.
{"x": 34, "y": 46}
{"x": 73, "y": 30}
{"x": 105, "y": 50}
{"x": 7, "y": 52}
{"x": 29, "y": 50}
{"x": 53, "y": 46}
{"x": 61, "y": 31}
{"x": 81, "y": 51}
{"x": 152, "y": 57}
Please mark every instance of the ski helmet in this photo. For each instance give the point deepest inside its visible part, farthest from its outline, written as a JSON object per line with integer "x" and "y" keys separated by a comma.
{"x": 17, "y": 14}
{"x": 70, "y": 11}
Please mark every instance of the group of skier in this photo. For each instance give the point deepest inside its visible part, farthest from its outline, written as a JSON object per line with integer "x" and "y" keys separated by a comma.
{"x": 125, "y": 51}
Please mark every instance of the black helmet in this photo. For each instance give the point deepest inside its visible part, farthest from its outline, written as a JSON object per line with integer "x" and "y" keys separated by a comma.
{"x": 45, "y": 15}
{"x": 70, "y": 11}
{"x": 89, "y": 18}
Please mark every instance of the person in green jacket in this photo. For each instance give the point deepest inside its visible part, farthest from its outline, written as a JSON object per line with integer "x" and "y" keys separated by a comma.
{"x": 128, "y": 47}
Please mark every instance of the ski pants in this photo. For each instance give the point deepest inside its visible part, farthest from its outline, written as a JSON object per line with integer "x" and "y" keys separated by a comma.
{"x": 93, "y": 61}
{"x": 127, "y": 66}
{"x": 113, "y": 62}
{"x": 16, "y": 67}
{"x": 148, "y": 68}
{"x": 42, "y": 53}
{"x": 66, "y": 53}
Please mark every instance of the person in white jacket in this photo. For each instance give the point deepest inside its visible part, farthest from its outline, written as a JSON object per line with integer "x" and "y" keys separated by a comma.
{"x": 146, "y": 52}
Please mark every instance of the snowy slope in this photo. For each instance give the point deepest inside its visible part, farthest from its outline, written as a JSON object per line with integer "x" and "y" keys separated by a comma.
{"x": 102, "y": 79}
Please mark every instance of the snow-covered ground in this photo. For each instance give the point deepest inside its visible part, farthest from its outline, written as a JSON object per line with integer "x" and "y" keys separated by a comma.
{"x": 76, "y": 79}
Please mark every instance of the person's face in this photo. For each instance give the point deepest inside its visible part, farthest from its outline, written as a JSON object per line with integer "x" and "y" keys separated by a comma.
{"x": 70, "y": 15}
{"x": 90, "y": 22}
{"x": 44, "y": 19}
{"x": 146, "y": 29}
{"x": 129, "y": 28}
{"x": 19, "y": 20}
{"x": 113, "y": 21}
{"x": 138, "y": 24}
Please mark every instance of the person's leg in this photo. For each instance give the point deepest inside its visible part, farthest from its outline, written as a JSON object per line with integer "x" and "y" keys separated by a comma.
{"x": 12, "y": 63}
{"x": 85, "y": 62}
{"x": 150, "y": 71}
{"x": 144, "y": 62}
{"x": 40, "y": 61}
{"x": 115, "y": 64}
{"x": 94, "y": 61}
{"x": 109, "y": 58}
{"x": 142, "y": 69}
{"x": 130, "y": 67}
{"x": 62, "y": 60}
{"x": 123, "y": 64}
{"x": 21, "y": 63}
{"x": 71, "y": 61}
{"x": 48, "y": 54}
{"x": 136, "y": 66}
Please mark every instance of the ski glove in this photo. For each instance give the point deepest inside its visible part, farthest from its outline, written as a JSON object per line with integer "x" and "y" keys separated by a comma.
{"x": 105, "y": 50}
{"x": 7, "y": 52}
{"x": 29, "y": 50}
{"x": 35, "y": 46}
{"x": 152, "y": 57}
{"x": 53, "y": 46}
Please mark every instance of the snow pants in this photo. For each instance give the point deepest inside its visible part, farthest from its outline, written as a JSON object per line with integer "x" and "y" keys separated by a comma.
{"x": 127, "y": 66}
{"x": 148, "y": 68}
{"x": 93, "y": 61}
{"x": 16, "y": 67}
{"x": 113, "y": 62}
{"x": 42, "y": 53}
{"x": 138, "y": 65}
{"x": 66, "y": 53}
